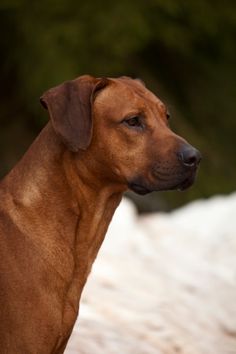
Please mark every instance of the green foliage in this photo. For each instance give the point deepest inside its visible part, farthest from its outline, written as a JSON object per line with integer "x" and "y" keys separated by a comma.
{"x": 184, "y": 50}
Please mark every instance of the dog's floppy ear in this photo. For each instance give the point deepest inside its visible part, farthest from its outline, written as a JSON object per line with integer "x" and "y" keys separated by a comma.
{"x": 70, "y": 109}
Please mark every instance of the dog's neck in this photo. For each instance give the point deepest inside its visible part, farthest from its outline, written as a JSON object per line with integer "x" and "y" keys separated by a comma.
{"x": 49, "y": 187}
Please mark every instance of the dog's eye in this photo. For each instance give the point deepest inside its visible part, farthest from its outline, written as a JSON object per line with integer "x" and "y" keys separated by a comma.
{"x": 134, "y": 122}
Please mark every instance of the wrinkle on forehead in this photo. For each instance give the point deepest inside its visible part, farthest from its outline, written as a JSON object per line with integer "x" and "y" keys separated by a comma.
{"x": 143, "y": 92}
{"x": 128, "y": 94}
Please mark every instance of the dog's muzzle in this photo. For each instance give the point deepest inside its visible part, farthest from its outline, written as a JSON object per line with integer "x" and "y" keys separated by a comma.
{"x": 179, "y": 176}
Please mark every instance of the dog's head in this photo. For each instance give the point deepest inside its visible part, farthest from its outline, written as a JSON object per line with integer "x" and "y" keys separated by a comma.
{"x": 121, "y": 129}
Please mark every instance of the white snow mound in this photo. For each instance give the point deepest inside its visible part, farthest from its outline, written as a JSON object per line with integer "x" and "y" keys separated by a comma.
{"x": 163, "y": 284}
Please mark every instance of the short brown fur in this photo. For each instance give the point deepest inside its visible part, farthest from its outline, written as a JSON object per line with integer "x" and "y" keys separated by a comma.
{"x": 57, "y": 202}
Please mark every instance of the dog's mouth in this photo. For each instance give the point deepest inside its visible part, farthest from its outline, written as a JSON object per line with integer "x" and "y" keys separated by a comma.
{"x": 141, "y": 187}
{"x": 186, "y": 183}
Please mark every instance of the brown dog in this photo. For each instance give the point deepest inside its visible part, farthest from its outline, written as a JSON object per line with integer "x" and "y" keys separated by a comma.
{"x": 104, "y": 136}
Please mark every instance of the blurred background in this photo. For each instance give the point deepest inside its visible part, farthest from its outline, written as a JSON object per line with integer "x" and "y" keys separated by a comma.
{"x": 172, "y": 271}
{"x": 185, "y": 52}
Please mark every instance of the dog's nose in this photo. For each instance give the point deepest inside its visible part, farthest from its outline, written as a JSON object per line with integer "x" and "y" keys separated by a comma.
{"x": 189, "y": 156}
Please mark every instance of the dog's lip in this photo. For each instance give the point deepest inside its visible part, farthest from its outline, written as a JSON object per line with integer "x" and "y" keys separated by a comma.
{"x": 182, "y": 183}
{"x": 186, "y": 183}
{"x": 138, "y": 188}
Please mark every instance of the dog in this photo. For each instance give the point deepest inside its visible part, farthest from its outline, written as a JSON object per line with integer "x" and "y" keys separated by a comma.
{"x": 104, "y": 136}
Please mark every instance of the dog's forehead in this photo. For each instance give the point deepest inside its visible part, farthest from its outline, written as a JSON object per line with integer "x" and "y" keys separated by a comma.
{"x": 128, "y": 94}
{"x": 136, "y": 87}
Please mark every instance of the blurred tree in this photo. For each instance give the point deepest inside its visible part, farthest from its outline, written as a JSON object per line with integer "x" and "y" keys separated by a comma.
{"x": 185, "y": 51}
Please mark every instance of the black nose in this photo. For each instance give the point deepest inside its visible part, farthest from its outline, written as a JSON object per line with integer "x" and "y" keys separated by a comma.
{"x": 189, "y": 156}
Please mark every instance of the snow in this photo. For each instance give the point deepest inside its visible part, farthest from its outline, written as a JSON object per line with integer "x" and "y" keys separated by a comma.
{"x": 163, "y": 283}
